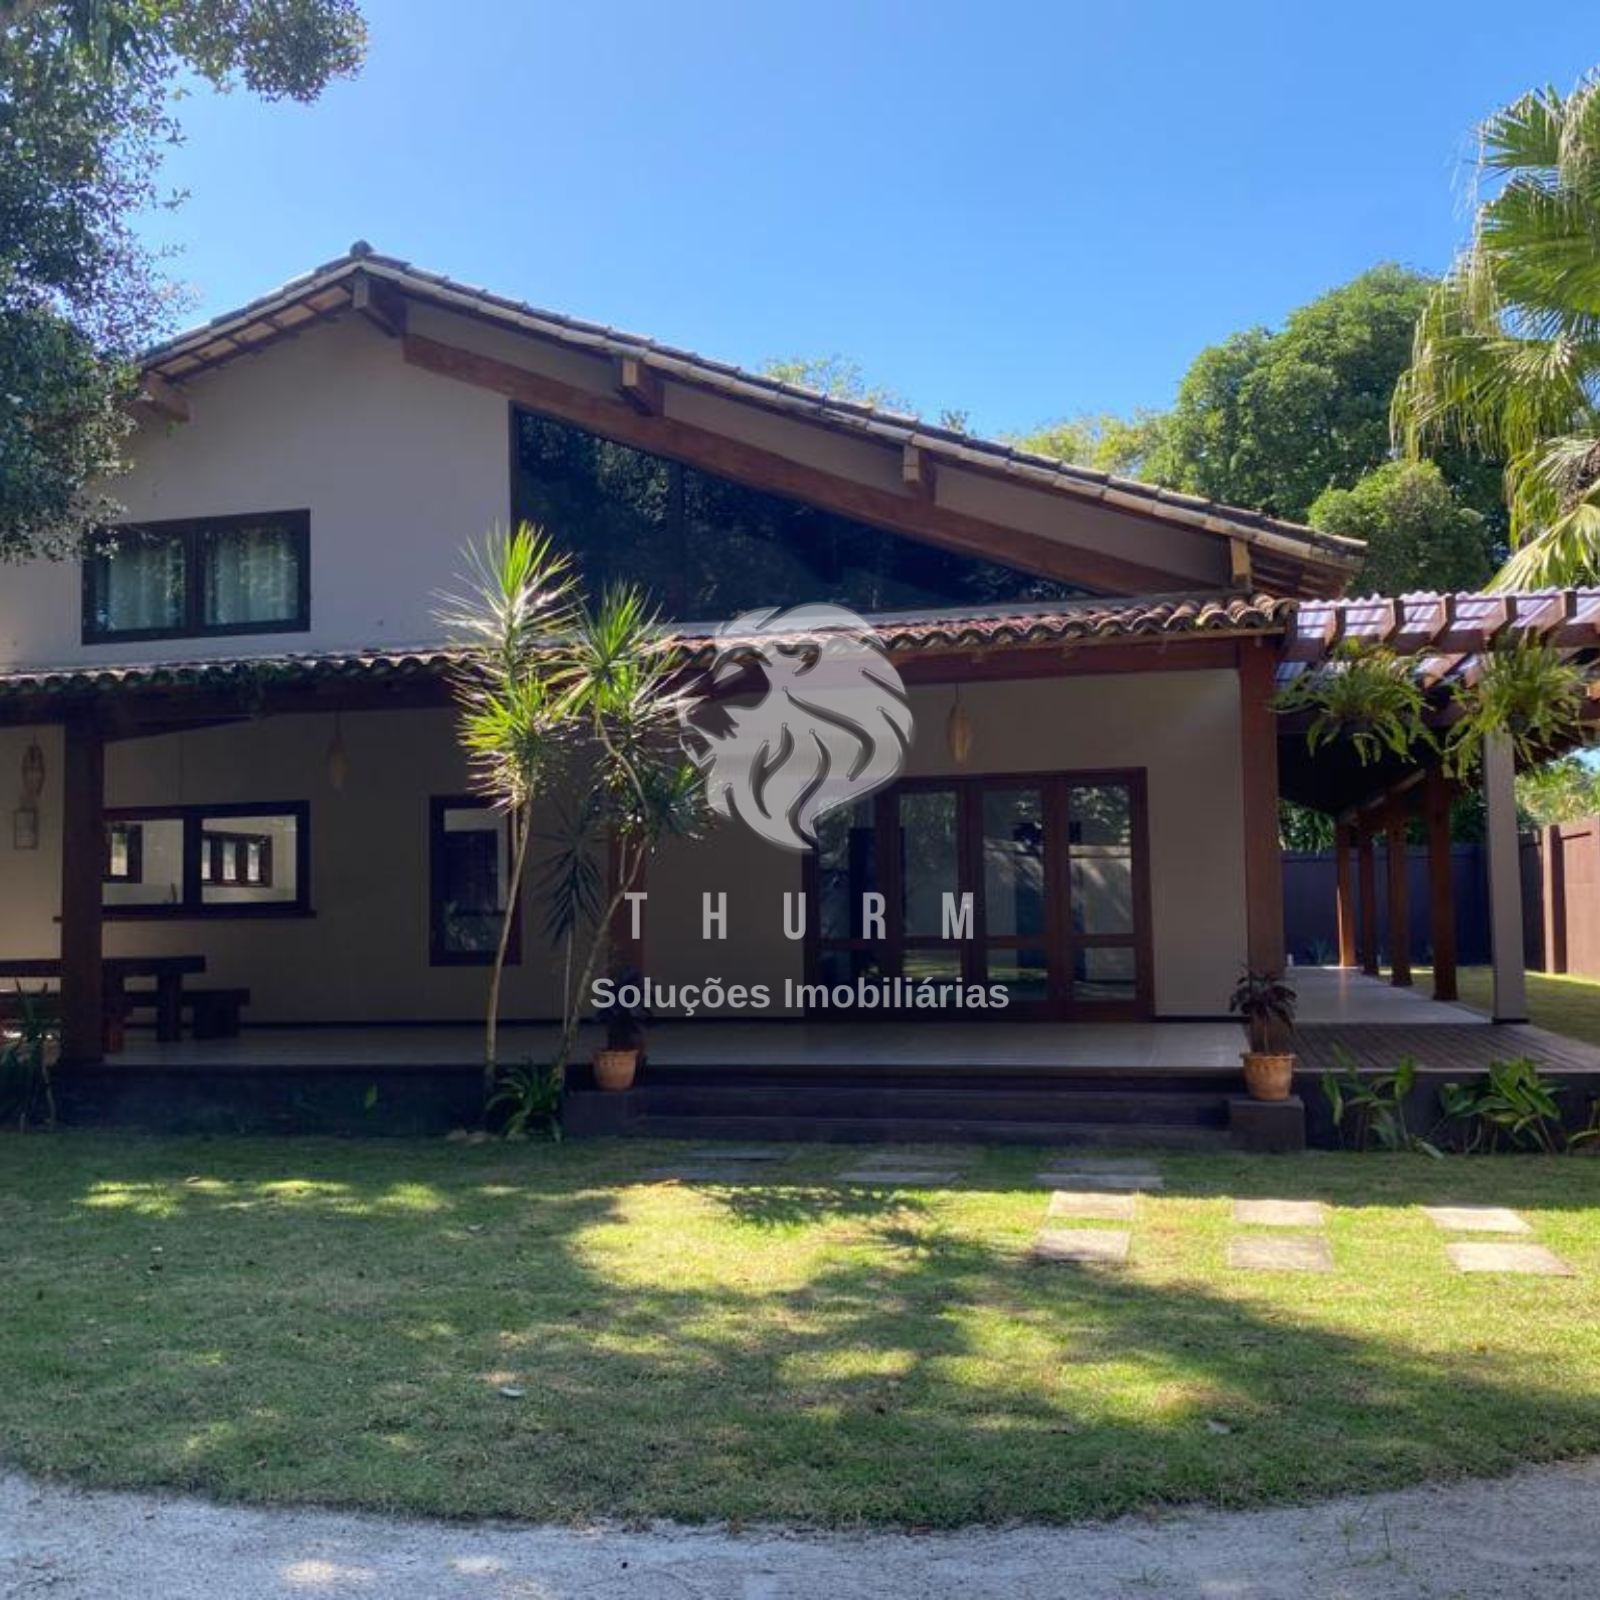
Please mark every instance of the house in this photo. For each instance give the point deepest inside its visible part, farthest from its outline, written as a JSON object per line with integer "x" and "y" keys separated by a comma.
{"x": 237, "y": 723}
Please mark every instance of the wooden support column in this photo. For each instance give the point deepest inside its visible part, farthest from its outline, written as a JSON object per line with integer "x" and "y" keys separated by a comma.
{"x": 626, "y": 950}
{"x": 1399, "y": 897}
{"x": 1441, "y": 884}
{"x": 1505, "y": 880}
{"x": 82, "y": 869}
{"x": 1368, "y": 873}
{"x": 1263, "y": 859}
{"x": 1344, "y": 894}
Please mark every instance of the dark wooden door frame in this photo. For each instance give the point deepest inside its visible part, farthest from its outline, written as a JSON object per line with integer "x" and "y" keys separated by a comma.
{"x": 1058, "y": 936}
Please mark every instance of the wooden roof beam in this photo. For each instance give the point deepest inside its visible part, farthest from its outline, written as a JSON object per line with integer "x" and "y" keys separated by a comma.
{"x": 163, "y": 399}
{"x": 379, "y": 304}
{"x": 917, "y": 471}
{"x": 1239, "y": 566}
{"x": 639, "y": 386}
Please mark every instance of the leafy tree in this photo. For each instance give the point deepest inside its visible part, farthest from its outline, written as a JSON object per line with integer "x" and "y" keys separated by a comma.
{"x": 836, "y": 376}
{"x": 1507, "y": 353}
{"x": 1103, "y": 441}
{"x": 1271, "y": 420}
{"x": 1563, "y": 790}
{"x": 1419, "y": 536}
{"x": 86, "y": 95}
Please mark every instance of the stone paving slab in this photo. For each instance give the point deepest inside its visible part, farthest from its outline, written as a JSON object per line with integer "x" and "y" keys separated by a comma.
{"x": 898, "y": 1177}
{"x": 743, "y": 1152}
{"x": 707, "y": 1172}
{"x": 1080, "y": 1178}
{"x": 1476, "y": 1219}
{"x": 1088, "y": 1205}
{"x": 1280, "y": 1213}
{"x": 1530, "y": 1259}
{"x": 1263, "y": 1252}
{"x": 1083, "y": 1246}
{"x": 903, "y": 1157}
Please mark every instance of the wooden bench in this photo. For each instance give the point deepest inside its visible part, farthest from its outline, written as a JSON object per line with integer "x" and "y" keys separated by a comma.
{"x": 215, "y": 1011}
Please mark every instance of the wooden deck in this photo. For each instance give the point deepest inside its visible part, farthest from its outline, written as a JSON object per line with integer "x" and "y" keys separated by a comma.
{"x": 1459, "y": 1049}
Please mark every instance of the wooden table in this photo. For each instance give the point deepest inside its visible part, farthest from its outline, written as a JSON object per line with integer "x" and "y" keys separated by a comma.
{"x": 168, "y": 971}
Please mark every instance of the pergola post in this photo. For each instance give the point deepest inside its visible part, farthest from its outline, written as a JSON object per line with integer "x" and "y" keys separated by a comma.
{"x": 1344, "y": 894}
{"x": 82, "y": 869}
{"x": 1505, "y": 880}
{"x": 1441, "y": 884}
{"x": 1263, "y": 859}
{"x": 1399, "y": 897}
{"x": 1367, "y": 870}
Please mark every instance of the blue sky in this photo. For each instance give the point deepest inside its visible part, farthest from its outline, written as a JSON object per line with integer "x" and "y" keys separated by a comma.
{"x": 1022, "y": 210}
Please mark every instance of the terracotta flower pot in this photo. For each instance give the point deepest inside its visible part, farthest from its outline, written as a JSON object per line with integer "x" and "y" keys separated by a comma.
{"x": 1268, "y": 1076}
{"x": 614, "y": 1069}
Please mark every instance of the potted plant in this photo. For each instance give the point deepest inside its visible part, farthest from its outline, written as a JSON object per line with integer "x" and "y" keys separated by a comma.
{"x": 617, "y": 1064}
{"x": 1266, "y": 1003}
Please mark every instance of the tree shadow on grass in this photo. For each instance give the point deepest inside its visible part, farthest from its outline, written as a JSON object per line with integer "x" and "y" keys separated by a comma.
{"x": 913, "y": 1366}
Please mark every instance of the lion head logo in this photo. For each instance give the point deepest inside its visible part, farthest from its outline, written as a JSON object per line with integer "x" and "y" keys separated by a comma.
{"x": 805, "y": 713}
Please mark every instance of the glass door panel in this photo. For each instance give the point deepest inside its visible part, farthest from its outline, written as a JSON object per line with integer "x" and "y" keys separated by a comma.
{"x": 1017, "y": 900}
{"x": 930, "y": 859}
{"x": 1103, "y": 888}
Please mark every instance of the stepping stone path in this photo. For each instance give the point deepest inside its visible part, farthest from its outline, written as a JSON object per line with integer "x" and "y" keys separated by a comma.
{"x": 743, "y": 1152}
{"x": 1280, "y": 1213}
{"x": 706, "y": 1172}
{"x": 1532, "y": 1259}
{"x": 907, "y": 1168}
{"x": 1105, "y": 1247}
{"x": 1267, "y": 1252}
{"x": 1475, "y": 1219}
{"x": 1117, "y": 1177}
{"x": 1089, "y": 1205}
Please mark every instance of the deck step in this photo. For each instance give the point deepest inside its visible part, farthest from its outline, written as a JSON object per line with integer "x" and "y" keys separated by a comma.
{"x": 920, "y": 1102}
{"x": 926, "y": 1130}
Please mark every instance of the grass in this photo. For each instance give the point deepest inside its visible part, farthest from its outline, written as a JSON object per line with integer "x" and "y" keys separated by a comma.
{"x": 297, "y": 1321}
{"x": 1561, "y": 1004}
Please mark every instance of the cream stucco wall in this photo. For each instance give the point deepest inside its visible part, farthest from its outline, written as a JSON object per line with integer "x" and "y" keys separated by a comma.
{"x": 364, "y": 954}
{"x": 398, "y": 468}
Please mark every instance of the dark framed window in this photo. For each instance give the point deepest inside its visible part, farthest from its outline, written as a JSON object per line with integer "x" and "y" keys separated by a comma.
{"x": 469, "y": 875}
{"x": 706, "y": 547}
{"x": 199, "y": 577}
{"x": 124, "y": 853}
{"x": 236, "y": 858}
{"x": 242, "y": 859}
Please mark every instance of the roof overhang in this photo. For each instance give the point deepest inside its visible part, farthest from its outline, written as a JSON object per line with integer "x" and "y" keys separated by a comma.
{"x": 1261, "y": 553}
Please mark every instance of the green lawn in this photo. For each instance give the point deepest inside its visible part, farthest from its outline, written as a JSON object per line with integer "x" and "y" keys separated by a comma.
{"x": 335, "y": 1321}
{"x": 1564, "y": 1005}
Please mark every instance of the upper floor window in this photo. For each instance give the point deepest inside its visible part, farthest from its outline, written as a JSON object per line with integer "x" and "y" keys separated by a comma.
{"x": 704, "y": 546}
{"x": 200, "y": 576}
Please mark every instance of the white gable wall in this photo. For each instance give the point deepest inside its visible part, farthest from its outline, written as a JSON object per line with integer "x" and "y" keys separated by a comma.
{"x": 399, "y": 469}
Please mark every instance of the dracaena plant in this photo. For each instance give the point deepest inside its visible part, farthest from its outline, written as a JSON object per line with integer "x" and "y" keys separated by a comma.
{"x": 1266, "y": 1004}
{"x": 1365, "y": 695}
{"x": 1524, "y": 691}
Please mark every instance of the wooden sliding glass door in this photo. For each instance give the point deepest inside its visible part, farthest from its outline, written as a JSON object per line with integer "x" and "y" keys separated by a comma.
{"x": 1039, "y": 882}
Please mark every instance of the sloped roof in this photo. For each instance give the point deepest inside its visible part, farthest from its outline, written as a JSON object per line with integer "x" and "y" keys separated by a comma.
{"x": 1290, "y": 557}
{"x": 912, "y": 632}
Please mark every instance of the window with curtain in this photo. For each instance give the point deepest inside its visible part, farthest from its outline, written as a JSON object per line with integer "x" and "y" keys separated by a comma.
{"x": 212, "y": 575}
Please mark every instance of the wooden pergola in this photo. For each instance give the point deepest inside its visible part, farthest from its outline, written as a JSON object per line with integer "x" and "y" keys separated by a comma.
{"x": 1450, "y": 636}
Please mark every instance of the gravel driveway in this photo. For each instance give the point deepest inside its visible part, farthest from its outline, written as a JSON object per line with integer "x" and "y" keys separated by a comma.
{"x": 1535, "y": 1536}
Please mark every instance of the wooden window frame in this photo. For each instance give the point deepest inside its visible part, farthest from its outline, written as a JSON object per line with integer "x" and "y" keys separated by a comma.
{"x": 192, "y": 906}
{"x": 189, "y": 532}
{"x": 211, "y": 843}
{"x": 134, "y": 832}
{"x": 439, "y": 953}
{"x": 1059, "y": 937}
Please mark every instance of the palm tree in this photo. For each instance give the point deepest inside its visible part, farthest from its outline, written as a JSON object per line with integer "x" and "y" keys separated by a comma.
{"x": 1506, "y": 357}
{"x": 556, "y": 695}
{"x": 513, "y": 688}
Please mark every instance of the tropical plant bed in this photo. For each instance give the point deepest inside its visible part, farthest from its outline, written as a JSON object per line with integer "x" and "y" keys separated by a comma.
{"x": 534, "y": 1331}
